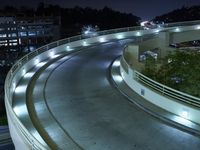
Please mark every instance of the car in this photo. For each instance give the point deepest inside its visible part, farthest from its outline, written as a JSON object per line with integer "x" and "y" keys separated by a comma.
{"x": 151, "y": 25}
{"x": 89, "y": 31}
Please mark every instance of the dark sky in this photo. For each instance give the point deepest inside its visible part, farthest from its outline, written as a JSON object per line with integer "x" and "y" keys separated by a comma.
{"x": 146, "y": 9}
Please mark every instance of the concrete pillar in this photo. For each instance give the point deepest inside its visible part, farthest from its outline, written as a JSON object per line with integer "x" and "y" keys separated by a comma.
{"x": 164, "y": 42}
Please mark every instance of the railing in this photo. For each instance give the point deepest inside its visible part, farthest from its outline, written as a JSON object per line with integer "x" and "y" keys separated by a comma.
{"x": 160, "y": 88}
{"x": 185, "y": 23}
{"x": 9, "y": 84}
{"x": 167, "y": 91}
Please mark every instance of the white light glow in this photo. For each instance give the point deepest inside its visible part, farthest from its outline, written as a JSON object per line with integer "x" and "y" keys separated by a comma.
{"x": 51, "y": 54}
{"x": 120, "y": 36}
{"x": 182, "y": 120}
{"x": 41, "y": 64}
{"x": 28, "y": 74}
{"x": 116, "y": 63}
{"x": 184, "y": 114}
{"x": 20, "y": 110}
{"x": 23, "y": 71}
{"x": 138, "y": 34}
{"x": 157, "y": 31}
{"x": 143, "y": 23}
{"x": 20, "y": 89}
{"x": 54, "y": 56}
{"x": 117, "y": 78}
{"x": 198, "y": 27}
{"x": 102, "y": 40}
{"x": 68, "y": 48}
{"x": 36, "y": 61}
{"x": 14, "y": 86}
{"x": 85, "y": 43}
{"x": 177, "y": 29}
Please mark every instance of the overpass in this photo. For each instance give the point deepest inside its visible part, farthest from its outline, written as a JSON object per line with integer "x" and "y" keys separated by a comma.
{"x": 61, "y": 96}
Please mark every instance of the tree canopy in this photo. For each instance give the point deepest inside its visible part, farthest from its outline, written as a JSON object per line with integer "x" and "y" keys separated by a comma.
{"x": 180, "y": 70}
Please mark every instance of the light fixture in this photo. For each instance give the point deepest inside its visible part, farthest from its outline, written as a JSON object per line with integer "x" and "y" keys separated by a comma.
{"x": 138, "y": 34}
{"x": 51, "y": 54}
{"x": 14, "y": 86}
{"x": 116, "y": 63}
{"x": 84, "y": 43}
{"x": 184, "y": 114}
{"x": 177, "y": 29}
{"x": 41, "y": 64}
{"x": 120, "y": 36}
{"x": 102, "y": 39}
{"x": 20, "y": 89}
{"x": 23, "y": 71}
{"x": 28, "y": 74}
{"x": 36, "y": 61}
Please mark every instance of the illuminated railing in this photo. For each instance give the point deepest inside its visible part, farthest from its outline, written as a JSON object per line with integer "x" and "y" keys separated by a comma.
{"x": 10, "y": 85}
{"x": 160, "y": 88}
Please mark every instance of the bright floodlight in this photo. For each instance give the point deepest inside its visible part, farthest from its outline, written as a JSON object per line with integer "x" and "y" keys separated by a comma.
{"x": 20, "y": 109}
{"x": 85, "y": 43}
{"x": 28, "y": 74}
{"x": 184, "y": 114}
{"x": 102, "y": 39}
{"x": 68, "y": 48}
{"x": 177, "y": 29}
{"x": 198, "y": 27}
{"x": 138, "y": 34}
{"x": 36, "y": 61}
{"x": 51, "y": 54}
{"x": 14, "y": 86}
{"x": 157, "y": 31}
{"x": 20, "y": 89}
{"x": 117, "y": 78}
{"x": 41, "y": 64}
{"x": 116, "y": 63}
{"x": 120, "y": 36}
{"x": 23, "y": 71}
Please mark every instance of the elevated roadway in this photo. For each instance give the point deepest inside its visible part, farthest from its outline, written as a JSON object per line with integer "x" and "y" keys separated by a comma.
{"x": 57, "y": 98}
{"x": 74, "y": 99}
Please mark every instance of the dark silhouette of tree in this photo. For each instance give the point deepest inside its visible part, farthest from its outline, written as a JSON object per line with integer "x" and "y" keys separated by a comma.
{"x": 182, "y": 14}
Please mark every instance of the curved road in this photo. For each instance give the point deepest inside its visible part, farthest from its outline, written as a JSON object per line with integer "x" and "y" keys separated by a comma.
{"x": 94, "y": 114}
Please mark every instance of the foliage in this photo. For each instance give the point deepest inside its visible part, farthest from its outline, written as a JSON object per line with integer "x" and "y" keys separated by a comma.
{"x": 180, "y": 71}
{"x": 73, "y": 19}
{"x": 150, "y": 67}
{"x": 182, "y": 14}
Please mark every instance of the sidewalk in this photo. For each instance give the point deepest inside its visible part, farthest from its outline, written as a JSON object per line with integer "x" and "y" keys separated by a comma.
{"x": 161, "y": 114}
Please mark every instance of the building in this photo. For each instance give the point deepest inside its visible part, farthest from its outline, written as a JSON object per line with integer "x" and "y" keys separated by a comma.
{"x": 22, "y": 34}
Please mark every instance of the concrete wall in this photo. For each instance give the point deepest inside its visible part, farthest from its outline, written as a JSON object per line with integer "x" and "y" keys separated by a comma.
{"x": 178, "y": 37}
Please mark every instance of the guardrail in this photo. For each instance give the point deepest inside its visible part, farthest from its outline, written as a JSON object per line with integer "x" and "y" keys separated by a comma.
{"x": 9, "y": 86}
{"x": 185, "y": 23}
{"x": 160, "y": 88}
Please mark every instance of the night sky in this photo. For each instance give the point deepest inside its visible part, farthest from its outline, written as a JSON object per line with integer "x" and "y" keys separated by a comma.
{"x": 146, "y": 9}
